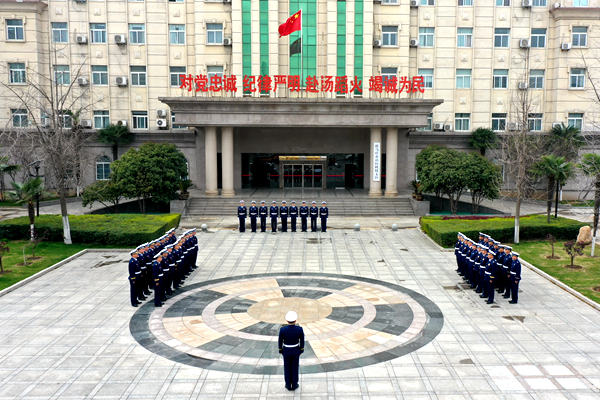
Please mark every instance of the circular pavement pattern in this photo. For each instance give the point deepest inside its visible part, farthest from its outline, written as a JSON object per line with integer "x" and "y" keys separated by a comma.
{"x": 232, "y": 324}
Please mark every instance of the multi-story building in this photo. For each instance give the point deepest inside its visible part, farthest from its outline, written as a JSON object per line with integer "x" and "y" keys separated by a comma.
{"x": 491, "y": 63}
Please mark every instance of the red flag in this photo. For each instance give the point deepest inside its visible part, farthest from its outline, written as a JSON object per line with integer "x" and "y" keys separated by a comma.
{"x": 292, "y": 24}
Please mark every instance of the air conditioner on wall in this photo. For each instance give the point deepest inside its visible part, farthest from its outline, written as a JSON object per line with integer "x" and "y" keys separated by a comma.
{"x": 513, "y": 126}
{"x": 448, "y": 128}
{"x": 227, "y": 1}
{"x": 161, "y": 123}
{"x": 376, "y": 43}
{"x": 565, "y": 46}
{"x": 526, "y": 3}
{"x": 121, "y": 80}
{"x": 122, "y": 122}
{"x": 438, "y": 126}
{"x": 86, "y": 123}
{"x": 161, "y": 113}
{"x": 120, "y": 39}
{"x": 227, "y": 42}
{"x": 556, "y": 5}
{"x": 414, "y": 3}
{"x": 524, "y": 43}
{"x": 522, "y": 85}
{"x": 414, "y": 43}
{"x": 81, "y": 39}
{"x": 82, "y": 81}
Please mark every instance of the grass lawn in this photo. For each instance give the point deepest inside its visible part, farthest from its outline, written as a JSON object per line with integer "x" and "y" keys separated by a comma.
{"x": 583, "y": 280}
{"x": 574, "y": 203}
{"x": 9, "y": 203}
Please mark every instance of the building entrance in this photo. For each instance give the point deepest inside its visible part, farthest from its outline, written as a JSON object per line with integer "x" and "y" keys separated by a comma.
{"x": 303, "y": 176}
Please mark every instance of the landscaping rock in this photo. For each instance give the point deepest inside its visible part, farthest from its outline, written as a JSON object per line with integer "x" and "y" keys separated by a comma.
{"x": 585, "y": 235}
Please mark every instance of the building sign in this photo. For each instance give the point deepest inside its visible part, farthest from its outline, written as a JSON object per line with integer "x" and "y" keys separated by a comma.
{"x": 313, "y": 84}
{"x": 376, "y": 161}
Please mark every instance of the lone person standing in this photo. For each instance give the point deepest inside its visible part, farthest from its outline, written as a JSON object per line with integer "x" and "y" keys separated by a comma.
{"x": 291, "y": 345}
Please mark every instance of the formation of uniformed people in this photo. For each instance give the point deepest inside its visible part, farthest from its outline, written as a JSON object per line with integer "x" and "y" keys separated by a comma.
{"x": 488, "y": 266}
{"x": 162, "y": 265}
{"x": 291, "y": 345}
{"x": 284, "y": 213}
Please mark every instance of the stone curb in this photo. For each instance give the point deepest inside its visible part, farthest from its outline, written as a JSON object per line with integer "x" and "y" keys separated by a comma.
{"x": 433, "y": 243}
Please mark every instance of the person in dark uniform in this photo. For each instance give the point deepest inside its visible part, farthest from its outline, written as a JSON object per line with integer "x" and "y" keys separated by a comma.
{"x": 158, "y": 275}
{"x": 304, "y": 216}
{"x": 314, "y": 213}
{"x": 506, "y": 270}
{"x": 324, "y": 214}
{"x": 242, "y": 214}
{"x": 283, "y": 214}
{"x": 135, "y": 275}
{"x": 515, "y": 277}
{"x": 291, "y": 345}
{"x": 165, "y": 274}
{"x": 293, "y": 215}
{"x": 170, "y": 277}
{"x": 490, "y": 276}
{"x": 274, "y": 212}
{"x": 262, "y": 213}
{"x": 253, "y": 211}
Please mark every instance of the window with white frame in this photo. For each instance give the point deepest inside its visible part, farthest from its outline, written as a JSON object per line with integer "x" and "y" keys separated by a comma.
{"x": 500, "y": 78}
{"x": 175, "y": 73}
{"x": 465, "y": 3}
{"x": 536, "y": 79}
{"x": 498, "y": 121}
{"x": 138, "y": 75}
{"x": 389, "y": 35}
{"x": 580, "y": 3}
{"x": 102, "y": 168}
{"x": 389, "y": 2}
{"x": 462, "y": 121}
{"x": 60, "y": 32}
{"x": 388, "y": 72}
{"x": 577, "y": 78}
{"x": 140, "y": 119}
{"x": 137, "y": 33}
{"x": 65, "y": 119}
{"x": 502, "y": 3}
{"x": 427, "y": 74}
{"x": 101, "y": 119}
{"x": 14, "y": 29}
{"x": 538, "y": 37}
{"x": 580, "y": 36}
{"x": 501, "y": 37}
{"x": 214, "y": 70}
{"x": 426, "y": 37}
{"x": 98, "y": 33}
{"x": 429, "y": 123}
{"x": 177, "y": 34}
{"x": 19, "y": 118}
{"x": 463, "y": 78}
{"x": 17, "y": 73}
{"x": 465, "y": 37}
{"x": 99, "y": 75}
{"x": 174, "y": 125}
{"x": 428, "y": 2}
{"x": 535, "y": 122}
{"x": 62, "y": 75}
{"x": 576, "y": 120}
{"x": 214, "y": 33}
{"x": 539, "y": 3}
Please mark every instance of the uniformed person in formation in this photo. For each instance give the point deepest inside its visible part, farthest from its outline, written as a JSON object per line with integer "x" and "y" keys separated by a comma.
{"x": 515, "y": 277}
{"x": 253, "y": 211}
{"x": 262, "y": 213}
{"x": 135, "y": 281}
{"x": 304, "y": 216}
{"x": 283, "y": 214}
{"x": 324, "y": 214}
{"x": 242, "y": 214}
{"x": 490, "y": 276}
{"x": 293, "y": 215}
{"x": 291, "y": 345}
{"x": 314, "y": 213}
{"x": 274, "y": 213}
{"x": 158, "y": 275}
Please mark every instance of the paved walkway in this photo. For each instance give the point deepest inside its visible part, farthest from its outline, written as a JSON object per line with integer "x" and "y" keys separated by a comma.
{"x": 68, "y": 335}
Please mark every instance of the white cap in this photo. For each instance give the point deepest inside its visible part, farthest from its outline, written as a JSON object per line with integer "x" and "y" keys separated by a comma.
{"x": 291, "y": 316}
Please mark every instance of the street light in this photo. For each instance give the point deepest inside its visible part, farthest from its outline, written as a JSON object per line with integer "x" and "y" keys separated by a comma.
{"x": 36, "y": 165}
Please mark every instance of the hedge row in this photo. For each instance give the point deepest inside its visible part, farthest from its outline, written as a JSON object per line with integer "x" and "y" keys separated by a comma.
{"x": 124, "y": 230}
{"x": 443, "y": 230}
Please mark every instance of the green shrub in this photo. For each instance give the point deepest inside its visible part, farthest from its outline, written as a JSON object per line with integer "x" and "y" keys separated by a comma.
{"x": 443, "y": 231}
{"x": 110, "y": 229}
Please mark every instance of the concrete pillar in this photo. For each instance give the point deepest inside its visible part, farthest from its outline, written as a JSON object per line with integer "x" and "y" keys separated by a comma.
{"x": 227, "y": 161}
{"x": 391, "y": 163}
{"x": 210, "y": 160}
{"x": 375, "y": 186}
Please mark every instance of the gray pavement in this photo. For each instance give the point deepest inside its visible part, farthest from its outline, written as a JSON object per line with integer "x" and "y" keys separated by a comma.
{"x": 67, "y": 334}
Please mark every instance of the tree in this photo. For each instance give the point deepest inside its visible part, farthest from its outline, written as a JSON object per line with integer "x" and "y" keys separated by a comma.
{"x": 422, "y": 162}
{"x": 482, "y": 139}
{"x": 3, "y": 250}
{"x": 590, "y": 166}
{"x": 27, "y": 193}
{"x": 574, "y": 249}
{"x": 552, "y": 240}
{"x": 565, "y": 140}
{"x": 105, "y": 192}
{"x": 6, "y": 168}
{"x": 154, "y": 171}
{"x": 557, "y": 172}
{"x": 37, "y": 239}
{"x": 115, "y": 136}
{"x": 483, "y": 179}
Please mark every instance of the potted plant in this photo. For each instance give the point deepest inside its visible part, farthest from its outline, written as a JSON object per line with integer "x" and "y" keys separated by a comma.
{"x": 414, "y": 186}
{"x": 419, "y": 192}
{"x": 184, "y": 185}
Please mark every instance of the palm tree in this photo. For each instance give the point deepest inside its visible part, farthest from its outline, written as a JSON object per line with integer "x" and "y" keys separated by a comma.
{"x": 6, "y": 168}
{"x": 565, "y": 140}
{"x": 28, "y": 192}
{"x": 115, "y": 135}
{"x": 557, "y": 171}
{"x": 590, "y": 166}
{"x": 482, "y": 139}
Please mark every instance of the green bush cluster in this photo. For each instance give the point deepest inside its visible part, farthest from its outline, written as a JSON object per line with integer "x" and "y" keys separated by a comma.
{"x": 108, "y": 229}
{"x": 443, "y": 232}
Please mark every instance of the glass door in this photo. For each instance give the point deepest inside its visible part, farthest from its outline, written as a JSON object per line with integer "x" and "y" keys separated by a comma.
{"x": 308, "y": 176}
{"x": 287, "y": 176}
{"x": 297, "y": 178}
{"x": 318, "y": 176}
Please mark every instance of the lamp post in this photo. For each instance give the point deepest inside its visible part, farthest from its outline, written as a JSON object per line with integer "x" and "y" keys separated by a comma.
{"x": 36, "y": 165}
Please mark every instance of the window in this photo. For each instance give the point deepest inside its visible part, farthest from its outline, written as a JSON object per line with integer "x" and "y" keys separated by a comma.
{"x": 175, "y": 1}
{"x": 577, "y": 78}
{"x": 389, "y": 2}
{"x": 389, "y": 35}
{"x": 465, "y": 37}
{"x": 177, "y": 34}
{"x": 214, "y": 33}
{"x": 62, "y": 75}
{"x": 580, "y": 36}
{"x": 539, "y": 3}
{"x": 427, "y": 74}
{"x": 498, "y": 122}
{"x": 175, "y": 72}
{"x": 463, "y": 78}
{"x": 175, "y": 126}
{"x": 99, "y": 75}
{"x": 426, "y": 37}
{"x": 137, "y": 33}
{"x": 500, "y": 78}
{"x": 535, "y": 122}
{"x": 101, "y": 119}
{"x": 138, "y": 76}
{"x": 501, "y": 37}
{"x": 580, "y": 3}
{"x": 576, "y": 120}
{"x": 60, "y": 33}
{"x": 465, "y": 3}
{"x": 65, "y": 120}
{"x": 538, "y": 37}
{"x": 17, "y": 73}
{"x": 462, "y": 121}
{"x": 102, "y": 168}
{"x": 429, "y": 123}
{"x": 214, "y": 70}
{"x": 98, "y": 33}
{"x": 428, "y": 2}
{"x": 536, "y": 79}
{"x": 19, "y": 118}
{"x": 140, "y": 119}
{"x": 502, "y": 3}
{"x": 14, "y": 29}
{"x": 387, "y": 73}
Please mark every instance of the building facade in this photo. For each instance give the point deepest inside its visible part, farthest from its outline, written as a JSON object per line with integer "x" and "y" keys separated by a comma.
{"x": 493, "y": 63}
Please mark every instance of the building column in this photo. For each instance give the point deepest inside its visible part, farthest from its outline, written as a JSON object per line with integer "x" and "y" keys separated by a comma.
{"x": 375, "y": 186}
{"x": 391, "y": 163}
{"x": 210, "y": 160}
{"x": 227, "y": 161}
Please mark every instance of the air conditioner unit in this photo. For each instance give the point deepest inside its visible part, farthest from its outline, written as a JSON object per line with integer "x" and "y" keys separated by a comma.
{"x": 161, "y": 123}
{"x": 522, "y": 85}
{"x": 526, "y": 3}
{"x": 120, "y": 39}
{"x": 438, "y": 126}
{"x": 556, "y": 5}
{"x": 227, "y": 1}
{"x": 377, "y": 43}
{"x": 227, "y": 42}
{"x": 524, "y": 43}
{"x": 83, "y": 81}
{"x": 161, "y": 113}
{"x": 556, "y": 124}
{"x": 45, "y": 123}
{"x": 121, "y": 80}
{"x": 565, "y": 46}
{"x": 414, "y": 3}
{"x": 448, "y": 128}
{"x": 86, "y": 123}
{"x": 414, "y": 43}
{"x": 81, "y": 39}
{"x": 122, "y": 122}
{"x": 513, "y": 126}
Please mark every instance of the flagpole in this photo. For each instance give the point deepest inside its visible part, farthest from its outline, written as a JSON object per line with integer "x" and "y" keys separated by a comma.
{"x": 301, "y": 53}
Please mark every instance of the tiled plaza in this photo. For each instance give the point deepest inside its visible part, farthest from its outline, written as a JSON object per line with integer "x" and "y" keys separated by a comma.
{"x": 385, "y": 314}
